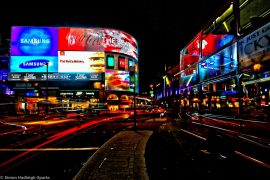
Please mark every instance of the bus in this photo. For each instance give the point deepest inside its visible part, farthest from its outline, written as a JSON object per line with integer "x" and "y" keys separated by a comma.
{"x": 143, "y": 103}
{"x": 225, "y": 80}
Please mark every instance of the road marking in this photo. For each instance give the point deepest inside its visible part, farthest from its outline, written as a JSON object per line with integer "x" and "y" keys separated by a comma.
{"x": 205, "y": 151}
{"x": 192, "y": 134}
{"x": 102, "y": 162}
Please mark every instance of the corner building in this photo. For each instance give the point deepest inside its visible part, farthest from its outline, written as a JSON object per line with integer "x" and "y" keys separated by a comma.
{"x": 72, "y": 67}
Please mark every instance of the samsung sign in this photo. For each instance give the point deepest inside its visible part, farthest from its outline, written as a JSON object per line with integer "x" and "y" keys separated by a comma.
{"x": 34, "y": 41}
{"x": 21, "y": 64}
{"x": 33, "y": 64}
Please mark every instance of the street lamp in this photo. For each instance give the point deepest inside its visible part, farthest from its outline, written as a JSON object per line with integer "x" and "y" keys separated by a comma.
{"x": 132, "y": 80}
{"x": 47, "y": 84}
{"x": 103, "y": 95}
{"x": 25, "y": 95}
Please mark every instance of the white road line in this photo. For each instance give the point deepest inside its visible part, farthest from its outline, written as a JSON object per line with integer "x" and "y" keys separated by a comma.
{"x": 102, "y": 162}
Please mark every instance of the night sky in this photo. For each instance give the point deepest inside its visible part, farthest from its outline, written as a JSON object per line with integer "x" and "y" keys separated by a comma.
{"x": 161, "y": 27}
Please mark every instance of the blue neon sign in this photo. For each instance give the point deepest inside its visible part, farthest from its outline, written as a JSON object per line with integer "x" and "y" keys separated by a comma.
{"x": 39, "y": 41}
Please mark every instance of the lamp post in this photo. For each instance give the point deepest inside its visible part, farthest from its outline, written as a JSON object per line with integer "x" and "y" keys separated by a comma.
{"x": 103, "y": 93}
{"x": 134, "y": 96}
{"x": 47, "y": 84}
{"x": 132, "y": 80}
{"x": 152, "y": 94}
{"x": 25, "y": 95}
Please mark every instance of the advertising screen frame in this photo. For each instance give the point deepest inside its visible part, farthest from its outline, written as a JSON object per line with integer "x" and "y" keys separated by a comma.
{"x": 29, "y": 61}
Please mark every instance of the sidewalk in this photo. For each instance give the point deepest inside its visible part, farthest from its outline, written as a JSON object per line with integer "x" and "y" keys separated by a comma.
{"x": 121, "y": 158}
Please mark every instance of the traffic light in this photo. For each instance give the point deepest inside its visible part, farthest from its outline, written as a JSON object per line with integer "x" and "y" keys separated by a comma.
{"x": 36, "y": 87}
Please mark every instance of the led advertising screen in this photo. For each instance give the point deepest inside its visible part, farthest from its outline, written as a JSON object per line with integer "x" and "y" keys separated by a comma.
{"x": 227, "y": 59}
{"x": 66, "y": 50}
{"x": 71, "y": 39}
{"x": 187, "y": 61}
{"x": 81, "y": 61}
{"x": 187, "y": 81}
{"x": 97, "y": 39}
{"x": 117, "y": 80}
{"x": 121, "y": 63}
{"x": 33, "y": 64}
{"x": 55, "y": 76}
{"x": 254, "y": 48}
{"x": 110, "y": 62}
{"x": 34, "y": 41}
{"x": 211, "y": 43}
{"x": 130, "y": 63}
{"x": 219, "y": 64}
{"x": 193, "y": 47}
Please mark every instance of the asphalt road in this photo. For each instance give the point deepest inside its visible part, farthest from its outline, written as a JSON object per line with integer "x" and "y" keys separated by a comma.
{"x": 172, "y": 154}
{"x": 59, "y": 151}
{"x": 51, "y": 154}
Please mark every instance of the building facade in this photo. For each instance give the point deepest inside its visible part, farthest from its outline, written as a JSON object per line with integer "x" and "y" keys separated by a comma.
{"x": 72, "y": 67}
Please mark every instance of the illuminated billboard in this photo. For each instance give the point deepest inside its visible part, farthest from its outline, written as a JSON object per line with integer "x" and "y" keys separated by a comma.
{"x": 55, "y": 76}
{"x": 81, "y": 61}
{"x": 254, "y": 48}
{"x": 211, "y": 43}
{"x": 33, "y": 63}
{"x": 70, "y": 53}
{"x": 34, "y": 41}
{"x": 218, "y": 64}
{"x": 120, "y": 81}
{"x": 117, "y": 80}
{"x": 97, "y": 39}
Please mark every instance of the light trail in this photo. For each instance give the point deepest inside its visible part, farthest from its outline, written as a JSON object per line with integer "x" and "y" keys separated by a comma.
{"x": 11, "y": 132}
{"x": 43, "y": 122}
{"x": 56, "y": 137}
{"x": 53, "y": 149}
{"x": 251, "y": 159}
{"x": 47, "y": 122}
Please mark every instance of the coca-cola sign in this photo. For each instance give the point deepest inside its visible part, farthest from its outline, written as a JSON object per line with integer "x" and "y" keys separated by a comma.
{"x": 97, "y": 39}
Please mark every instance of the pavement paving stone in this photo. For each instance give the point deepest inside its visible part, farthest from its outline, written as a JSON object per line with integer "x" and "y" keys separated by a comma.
{"x": 121, "y": 158}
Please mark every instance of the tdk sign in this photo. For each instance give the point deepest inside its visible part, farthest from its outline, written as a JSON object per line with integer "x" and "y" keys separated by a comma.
{"x": 33, "y": 64}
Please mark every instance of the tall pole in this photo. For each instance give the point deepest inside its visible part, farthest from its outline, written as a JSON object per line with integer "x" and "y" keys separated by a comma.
{"x": 134, "y": 104}
{"x": 153, "y": 100}
{"x": 103, "y": 93}
{"x": 132, "y": 80}
{"x": 25, "y": 96}
{"x": 47, "y": 84}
